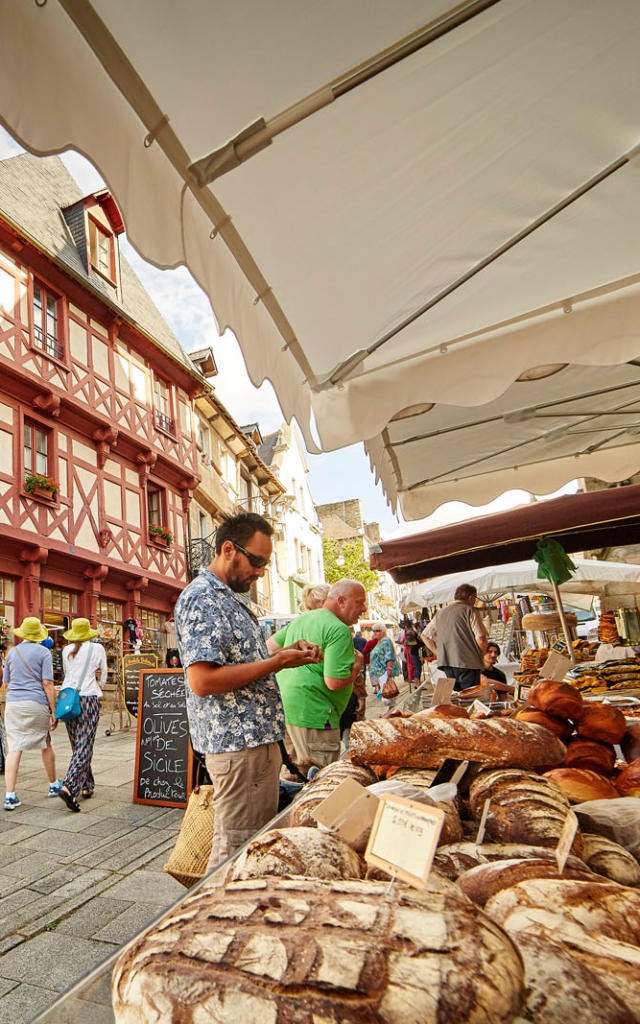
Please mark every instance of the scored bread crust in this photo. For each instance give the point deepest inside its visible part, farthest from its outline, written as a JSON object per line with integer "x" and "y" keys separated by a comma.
{"x": 293, "y": 951}
{"x": 426, "y": 742}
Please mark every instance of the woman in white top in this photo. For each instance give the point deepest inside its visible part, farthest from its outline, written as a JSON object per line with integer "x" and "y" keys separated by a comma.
{"x": 84, "y": 665}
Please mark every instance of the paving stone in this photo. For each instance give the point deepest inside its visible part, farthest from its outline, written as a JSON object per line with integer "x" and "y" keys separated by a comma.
{"x": 146, "y": 859}
{"x": 116, "y": 775}
{"x": 10, "y": 942}
{"x": 93, "y": 916}
{"x": 148, "y": 887}
{"x": 67, "y": 845}
{"x": 56, "y": 815}
{"x": 113, "y": 855}
{"x": 6, "y": 986}
{"x": 46, "y": 958}
{"x": 30, "y": 865}
{"x": 37, "y": 908}
{"x": 48, "y": 882}
{"x": 128, "y": 924}
{"x": 23, "y": 1002}
{"x": 59, "y": 912}
{"x": 8, "y": 854}
{"x": 18, "y": 833}
{"x": 108, "y": 828}
{"x": 171, "y": 819}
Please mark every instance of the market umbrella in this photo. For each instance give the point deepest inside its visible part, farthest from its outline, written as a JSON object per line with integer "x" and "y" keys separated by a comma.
{"x": 404, "y": 211}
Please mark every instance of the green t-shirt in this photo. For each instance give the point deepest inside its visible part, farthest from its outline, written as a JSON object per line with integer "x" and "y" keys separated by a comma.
{"x": 308, "y": 702}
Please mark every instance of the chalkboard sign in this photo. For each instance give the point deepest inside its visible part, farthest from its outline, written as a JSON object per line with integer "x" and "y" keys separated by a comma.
{"x": 163, "y": 751}
{"x": 132, "y": 666}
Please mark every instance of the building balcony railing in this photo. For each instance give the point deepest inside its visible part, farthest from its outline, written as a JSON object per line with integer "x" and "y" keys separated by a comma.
{"x": 250, "y": 505}
{"x": 48, "y": 343}
{"x": 199, "y": 554}
{"x": 165, "y": 423}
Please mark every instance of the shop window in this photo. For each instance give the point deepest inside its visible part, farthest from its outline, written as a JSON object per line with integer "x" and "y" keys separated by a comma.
{"x": 7, "y": 609}
{"x": 153, "y": 632}
{"x": 163, "y": 408}
{"x": 102, "y": 250}
{"x": 37, "y": 449}
{"x": 47, "y": 321}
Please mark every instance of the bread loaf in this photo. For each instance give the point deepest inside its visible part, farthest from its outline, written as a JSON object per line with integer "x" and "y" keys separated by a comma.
{"x": 630, "y": 742}
{"x": 453, "y": 860}
{"x": 628, "y": 781}
{"x": 443, "y": 711}
{"x": 485, "y": 880}
{"x": 580, "y": 943}
{"x": 611, "y": 860}
{"x": 296, "y": 851}
{"x": 590, "y": 754}
{"x": 524, "y": 808}
{"x": 602, "y": 722}
{"x": 579, "y": 784}
{"x": 422, "y": 779}
{"x": 270, "y": 951}
{"x": 558, "y": 726}
{"x": 426, "y": 742}
{"x": 559, "y": 699}
{"x": 324, "y": 783}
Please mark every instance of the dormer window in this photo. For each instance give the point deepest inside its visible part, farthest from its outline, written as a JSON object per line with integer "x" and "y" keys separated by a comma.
{"x": 102, "y": 250}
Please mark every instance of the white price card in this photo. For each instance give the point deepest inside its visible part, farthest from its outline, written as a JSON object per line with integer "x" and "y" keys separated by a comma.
{"x": 478, "y": 708}
{"x": 483, "y": 822}
{"x": 442, "y": 691}
{"x": 404, "y": 838}
{"x": 565, "y": 842}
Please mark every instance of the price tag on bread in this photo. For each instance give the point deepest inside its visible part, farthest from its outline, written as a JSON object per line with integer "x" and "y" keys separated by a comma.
{"x": 483, "y": 823}
{"x": 555, "y": 667}
{"x": 348, "y": 811}
{"x": 565, "y": 841}
{"x": 442, "y": 692}
{"x": 404, "y": 838}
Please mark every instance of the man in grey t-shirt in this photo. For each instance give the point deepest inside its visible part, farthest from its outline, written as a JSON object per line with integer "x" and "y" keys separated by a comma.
{"x": 458, "y": 639}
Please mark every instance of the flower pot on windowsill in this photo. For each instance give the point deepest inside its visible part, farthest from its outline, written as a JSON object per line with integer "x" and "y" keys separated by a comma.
{"x": 161, "y": 541}
{"x": 44, "y": 492}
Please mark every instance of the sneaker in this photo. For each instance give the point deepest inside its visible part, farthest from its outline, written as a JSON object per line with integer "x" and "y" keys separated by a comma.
{"x": 11, "y": 802}
{"x": 55, "y": 787}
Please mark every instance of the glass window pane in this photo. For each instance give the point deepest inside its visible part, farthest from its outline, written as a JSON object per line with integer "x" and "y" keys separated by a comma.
{"x": 41, "y": 464}
{"x": 46, "y": 598}
{"x": 42, "y": 439}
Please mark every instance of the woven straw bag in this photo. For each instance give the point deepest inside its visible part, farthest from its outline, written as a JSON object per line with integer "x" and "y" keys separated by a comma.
{"x": 190, "y": 856}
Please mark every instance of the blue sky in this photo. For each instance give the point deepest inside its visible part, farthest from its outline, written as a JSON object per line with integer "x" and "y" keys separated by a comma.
{"x": 333, "y": 476}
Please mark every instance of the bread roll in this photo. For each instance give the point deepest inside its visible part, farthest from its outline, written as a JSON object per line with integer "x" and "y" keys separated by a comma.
{"x": 296, "y": 851}
{"x": 443, "y": 711}
{"x": 302, "y": 950}
{"x": 628, "y": 781}
{"x": 485, "y": 880}
{"x": 591, "y": 754}
{"x": 524, "y": 808}
{"x": 559, "y": 699}
{"x": 580, "y": 784}
{"x": 558, "y": 726}
{"x": 630, "y": 742}
{"x": 426, "y": 742}
{"x": 602, "y": 722}
{"x": 580, "y": 943}
{"x": 611, "y": 860}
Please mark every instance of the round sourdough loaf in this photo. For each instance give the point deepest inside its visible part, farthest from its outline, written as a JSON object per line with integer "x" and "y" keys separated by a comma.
{"x": 426, "y": 742}
{"x": 485, "y": 880}
{"x": 611, "y": 860}
{"x": 602, "y": 722}
{"x": 628, "y": 781}
{"x": 297, "y": 951}
{"x": 591, "y": 754}
{"x": 322, "y": 786}
{"x": 558, "y": 726}
{"x": 296, "y": 851}
{"x": 580, "y": 784}
{"x": 630, "y": 742}
{"x": 581, "y": 947}
{"x": 560, "y": 699}
{"x": 455, "y": 859}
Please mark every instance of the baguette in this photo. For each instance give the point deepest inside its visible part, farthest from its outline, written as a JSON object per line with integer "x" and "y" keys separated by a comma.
{"x": 426, "y": 742}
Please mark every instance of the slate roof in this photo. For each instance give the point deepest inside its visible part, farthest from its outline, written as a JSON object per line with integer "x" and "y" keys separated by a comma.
{"x": 33, "y": 193}
{"x": 266, "y": 450}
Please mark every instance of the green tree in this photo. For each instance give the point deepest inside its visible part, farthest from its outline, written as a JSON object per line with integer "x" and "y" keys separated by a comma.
{"x": 354, "y": 566}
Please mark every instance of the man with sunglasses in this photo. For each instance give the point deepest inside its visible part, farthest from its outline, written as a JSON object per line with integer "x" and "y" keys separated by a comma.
{"x": 234, "y": 708}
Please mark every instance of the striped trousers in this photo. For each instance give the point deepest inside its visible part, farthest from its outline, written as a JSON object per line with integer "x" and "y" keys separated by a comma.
{"x": 82, "y": 733}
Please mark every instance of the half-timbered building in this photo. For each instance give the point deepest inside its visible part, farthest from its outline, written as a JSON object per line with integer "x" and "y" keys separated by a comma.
{"x": 98, "y": 459}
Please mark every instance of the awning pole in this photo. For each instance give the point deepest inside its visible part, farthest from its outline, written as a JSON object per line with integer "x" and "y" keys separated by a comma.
{"x": 563, "y": 620}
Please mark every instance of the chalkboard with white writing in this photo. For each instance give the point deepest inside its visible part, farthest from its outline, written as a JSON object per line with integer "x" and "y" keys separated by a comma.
{"x": 163, "y": 751}
{"x": 132, "y": 666}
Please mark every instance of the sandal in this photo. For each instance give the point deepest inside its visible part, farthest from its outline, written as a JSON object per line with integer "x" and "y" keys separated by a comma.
{"x": 87, "y": 794}
{"x": 70, "y": 801}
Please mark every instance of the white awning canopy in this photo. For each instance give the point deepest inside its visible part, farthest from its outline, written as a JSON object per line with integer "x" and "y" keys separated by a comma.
{"x": 392, "y": 205}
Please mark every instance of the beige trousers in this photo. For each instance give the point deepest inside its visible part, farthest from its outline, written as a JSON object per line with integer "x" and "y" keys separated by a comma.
{"x": 245, "y": 796}
{"x": 313, "y": 746}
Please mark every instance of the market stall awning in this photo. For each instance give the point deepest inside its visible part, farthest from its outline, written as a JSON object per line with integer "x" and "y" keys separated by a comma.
{"x": 580, "y": 522}
{"x": 404, "y": 211}
{"x": 592, "y": 576}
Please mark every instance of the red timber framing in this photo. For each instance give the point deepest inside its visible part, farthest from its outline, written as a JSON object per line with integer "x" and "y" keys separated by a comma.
{"x": 95, "y": 400}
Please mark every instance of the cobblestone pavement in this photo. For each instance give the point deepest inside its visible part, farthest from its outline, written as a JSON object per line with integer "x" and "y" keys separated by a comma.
{"x": 74, "y": 887}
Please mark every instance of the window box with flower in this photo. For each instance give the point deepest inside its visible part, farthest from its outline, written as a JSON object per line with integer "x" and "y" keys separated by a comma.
{"x": 41, "y": 486}
{"x": 160, "y": 534}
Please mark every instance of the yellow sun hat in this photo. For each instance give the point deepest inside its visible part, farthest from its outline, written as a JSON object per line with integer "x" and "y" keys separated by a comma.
{"x": 80, "y": 630}
{"x": 32, "y": 629}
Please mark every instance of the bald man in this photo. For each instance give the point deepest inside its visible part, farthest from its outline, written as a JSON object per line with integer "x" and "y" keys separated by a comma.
{"x": 315, "y": 696}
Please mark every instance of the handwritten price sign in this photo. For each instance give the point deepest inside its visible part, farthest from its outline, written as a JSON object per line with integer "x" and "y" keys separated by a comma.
{"x": 404, "y": 838}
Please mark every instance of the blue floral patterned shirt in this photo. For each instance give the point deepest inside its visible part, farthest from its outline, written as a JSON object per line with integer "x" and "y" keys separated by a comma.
{"x": 213, "y": 624}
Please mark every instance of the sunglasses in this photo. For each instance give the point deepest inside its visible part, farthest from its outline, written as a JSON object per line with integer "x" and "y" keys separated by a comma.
{"x": 257, "y": 561}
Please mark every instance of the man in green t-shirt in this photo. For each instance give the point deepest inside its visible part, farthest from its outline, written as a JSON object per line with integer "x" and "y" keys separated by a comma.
{"x": 315, "y": 695}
